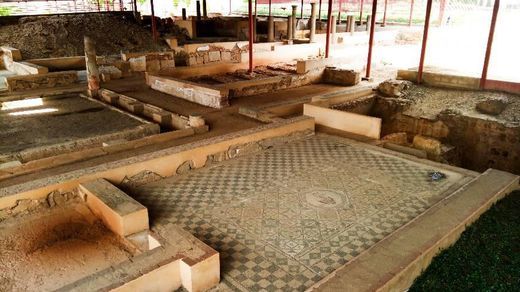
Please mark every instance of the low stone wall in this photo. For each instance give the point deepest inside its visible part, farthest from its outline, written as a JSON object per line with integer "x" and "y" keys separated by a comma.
{"x": 213, "y": 55}
{"x": 441, "y": 79}
{"x": 49, "y": 80}
{"x": 252, "y": 87}
{"x": 191, "y": 91}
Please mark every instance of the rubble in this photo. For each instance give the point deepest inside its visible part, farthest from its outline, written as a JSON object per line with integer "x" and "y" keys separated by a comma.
{"x": 393, "y": 88}
{"x": 62, "y": 35}
{"x": 492, "y": 105}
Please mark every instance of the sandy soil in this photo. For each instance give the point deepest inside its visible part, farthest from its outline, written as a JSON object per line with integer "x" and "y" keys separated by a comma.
{"x": 59, "y": 36}
{"x": 46, "y": 250}
{"x": 430, "y": 101}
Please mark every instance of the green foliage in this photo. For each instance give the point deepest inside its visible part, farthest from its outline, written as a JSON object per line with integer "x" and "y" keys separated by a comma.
{"x": 485, "y": 258}
{"x": 6, "y": 11}
{"x": 184, "y": 3}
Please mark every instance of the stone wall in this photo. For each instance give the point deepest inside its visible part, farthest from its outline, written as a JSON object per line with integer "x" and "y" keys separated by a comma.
{"x": 213, "y": 54}
{"x": 49, "y": 80}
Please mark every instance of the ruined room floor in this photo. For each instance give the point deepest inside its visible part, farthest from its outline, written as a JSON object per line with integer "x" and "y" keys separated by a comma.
{"x": 58, "y": 119}
{"x": 431, "y": 101}
{"x": 285, "y": 218}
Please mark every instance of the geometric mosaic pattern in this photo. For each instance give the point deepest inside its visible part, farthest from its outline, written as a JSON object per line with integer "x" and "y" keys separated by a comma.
{"x": 285, "y": 218}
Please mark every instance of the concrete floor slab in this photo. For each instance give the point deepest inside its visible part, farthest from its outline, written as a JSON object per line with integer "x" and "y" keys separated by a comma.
{"x": 286, "y": 218}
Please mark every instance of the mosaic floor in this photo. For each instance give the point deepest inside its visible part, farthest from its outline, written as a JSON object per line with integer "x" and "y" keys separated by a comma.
{"x": 285, "y": 218}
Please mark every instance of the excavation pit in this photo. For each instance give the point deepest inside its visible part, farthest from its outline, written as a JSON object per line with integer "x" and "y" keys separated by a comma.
{"x": 465, "y": 136}
{"x": 52, "y": 247}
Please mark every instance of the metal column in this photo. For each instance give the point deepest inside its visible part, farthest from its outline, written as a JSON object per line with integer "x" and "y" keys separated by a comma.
{"x": 319, "y": 13}
{"x": 154, "y": 25}
{"x": 384, "y": 14}
{"x": 424, "y": 41}
{"x": 329, "y": 24}
{"x": 361, "y": 12}
{"x": 371, "y": 39}
{"x": 411, "y": 13}
{"x": 483, "y": 78}
{"x": 250, "y": 12}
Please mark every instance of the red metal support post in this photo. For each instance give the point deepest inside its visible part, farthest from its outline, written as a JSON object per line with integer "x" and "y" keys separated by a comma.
{"x": 154, "y": 25}
{"x": 424, "y": 41}
{"x": 411, "y": 13}
{"x": 319, "y": 12}
{"x": 483, "y": 78}
{"x": 250, "y": 12}
{"x": 270, "y": 4}
{"x": 329, "y": 26}
{"x": 442, "y": 10}
{"x": 384, "y": 14}
{"x": 339, "y": 11}
{"x": 371, "y": 39}
{"x": 361, "y": 12}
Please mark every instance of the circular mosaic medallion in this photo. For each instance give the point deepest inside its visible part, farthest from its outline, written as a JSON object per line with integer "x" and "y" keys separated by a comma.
{"x": 324, "y": 198}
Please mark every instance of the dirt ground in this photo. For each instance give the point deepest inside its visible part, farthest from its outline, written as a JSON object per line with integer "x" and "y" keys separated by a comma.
{"x": 62, "y": 35}
{"x": 430, "y": 101}
{"x": 51, "y": 248}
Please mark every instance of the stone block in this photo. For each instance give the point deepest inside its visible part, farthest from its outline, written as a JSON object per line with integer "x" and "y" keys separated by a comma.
{"x": 164, "y": 118}
{"x": 153, "y": 65}
{"x": 11, "y": 53}
{"x": 393, "y": 88}
{"x": 124, "y": 67}
{"x": 109, "y": 72}
{"x": 109, "y": 97}
{"x": 25, "y": 68}
{"x": 192, "y": 61}
{"x": 200, "y": 60}
{"x": 400, "y": 138}
{"x": 165, "y": 64}
{"x": 345, "y": 77}
{"x": 138, "y": 64}
{"x": 493, "y": 105}
{"x": 120, "y": 213}
{"x": 10, "y": 164}
{"x": 172, "y": 42}
{"x": 114, "y": 142}
{"x": 226, "y": 56}
{"x": 196, "y": 121}
{"x": 214, "y": 56}
{"x": 432, "y": 146}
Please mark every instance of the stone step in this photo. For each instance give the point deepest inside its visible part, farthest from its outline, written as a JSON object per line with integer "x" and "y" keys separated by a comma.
{"x": 120, "y": 213}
